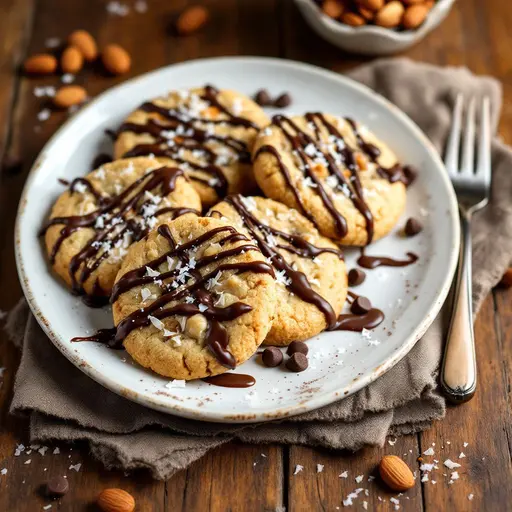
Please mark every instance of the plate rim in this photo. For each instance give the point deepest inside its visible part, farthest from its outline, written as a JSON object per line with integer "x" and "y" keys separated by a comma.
{"x": 283, "y": 411}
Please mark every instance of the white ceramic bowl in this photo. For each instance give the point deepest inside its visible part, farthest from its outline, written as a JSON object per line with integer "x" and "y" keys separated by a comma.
{"x": 370, "y": 39}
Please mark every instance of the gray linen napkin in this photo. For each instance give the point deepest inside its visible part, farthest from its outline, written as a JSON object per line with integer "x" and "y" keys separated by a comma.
{"x": 126, "y": 435}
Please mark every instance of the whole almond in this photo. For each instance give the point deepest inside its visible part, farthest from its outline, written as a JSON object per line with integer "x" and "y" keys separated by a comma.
{"x": 390, "y": 15}
{"x": 116, "y": 59}
{"x": 353, "y": 19}
{"x": 72, "y": 60}
{"x": 414, "y": 16}
{"x": 367, "y": 14}
{"x": 412, "y": 2}
{"x": 40, "y": 64}
{"x": 373, "y": 5}
{"x": 333, "y": 8}
{"x": 396, "y": 473}
{"x": 116, "y": 500}
{"x": 85, "y": 43}
{"x": 191, "y": 20}
{"x": 69, "y": 95}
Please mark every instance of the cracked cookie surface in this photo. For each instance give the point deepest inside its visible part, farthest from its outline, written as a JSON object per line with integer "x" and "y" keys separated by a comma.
{"x": 209, "y": 132}
{"x": 194, "y": 298}
{"x": 335, "y": 172}
{"x": 311, "y": 281}
{"x": 94, "y": 222}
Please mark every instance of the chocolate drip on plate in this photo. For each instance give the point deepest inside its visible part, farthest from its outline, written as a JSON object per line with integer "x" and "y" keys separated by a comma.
{"x": 367, "y": 261}
{"x": 231, "y": 380}
{"x": 351, "y": 322}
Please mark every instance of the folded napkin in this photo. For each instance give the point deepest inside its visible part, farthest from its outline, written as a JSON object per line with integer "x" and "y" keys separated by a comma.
{"x": 63, "y": 404}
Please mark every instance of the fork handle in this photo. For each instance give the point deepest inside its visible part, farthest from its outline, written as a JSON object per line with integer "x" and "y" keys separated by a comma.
{"x": 458, "y": 373}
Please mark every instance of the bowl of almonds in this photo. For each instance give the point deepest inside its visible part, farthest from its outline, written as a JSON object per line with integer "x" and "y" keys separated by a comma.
{"x": 374, "y": 27}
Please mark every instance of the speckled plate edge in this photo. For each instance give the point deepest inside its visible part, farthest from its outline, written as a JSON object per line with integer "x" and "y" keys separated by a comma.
{"x": 318, "y": 401}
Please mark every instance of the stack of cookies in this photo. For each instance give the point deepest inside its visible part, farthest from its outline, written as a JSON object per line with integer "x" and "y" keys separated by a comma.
{"x": 217, "y": 230}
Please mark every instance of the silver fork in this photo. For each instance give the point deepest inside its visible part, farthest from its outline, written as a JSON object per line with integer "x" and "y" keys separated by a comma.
{"x": 472, "y": 185}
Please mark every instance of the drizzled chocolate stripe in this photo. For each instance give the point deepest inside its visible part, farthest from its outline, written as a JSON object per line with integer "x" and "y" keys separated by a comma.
{"x": 192, "y": 136}
{"x": 217, "y": 339}
{"x": 297, "y": 281}
{"x": 118, "y": 213}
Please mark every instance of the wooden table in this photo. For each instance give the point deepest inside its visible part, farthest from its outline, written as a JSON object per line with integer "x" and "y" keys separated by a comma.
{"x": 237, "y": 477}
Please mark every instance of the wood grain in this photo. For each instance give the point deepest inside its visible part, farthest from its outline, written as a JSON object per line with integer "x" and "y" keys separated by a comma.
{"x": 237, "y": 477}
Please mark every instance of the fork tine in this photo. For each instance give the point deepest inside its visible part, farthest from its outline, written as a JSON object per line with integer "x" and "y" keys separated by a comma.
{"x": 468, "y": 149}
{"x": 483, "y": 169}
{"x": 452, "y": 148}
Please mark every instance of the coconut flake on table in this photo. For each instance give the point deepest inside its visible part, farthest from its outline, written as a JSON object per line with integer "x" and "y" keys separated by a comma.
{"x": 52, "y": 42}
{"x": 319, "y": 468}
{"x": 429, "y": 451}
{"x": 117, "y": 8}
{"x": 353, "y": 495}
{"x": 298, "y": 469}
{"x": 450, "y": 464}
{"x": 76, "y": 467}
{"x": 359, "y": 478}
{"x": 344, "y": 474}
{"x": 43, "y": 115}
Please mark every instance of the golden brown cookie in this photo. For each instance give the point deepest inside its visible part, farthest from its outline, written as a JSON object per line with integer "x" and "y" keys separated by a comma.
{"x": 93, "y": 223}
{"x": 335, "y": 172}
{"x": 310, "y": 271}
{"x": 193, "y": 299}
{"x": 210, "y": 132}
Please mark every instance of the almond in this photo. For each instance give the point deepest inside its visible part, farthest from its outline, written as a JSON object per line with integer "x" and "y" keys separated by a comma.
{"x": 116, "y": 500}
{"x": 85, "y": 43}
{"x": 116, "y": 59}
{"x": 353, "y": 19}
{"x": 40, "y": 64}
{"x": 412, "y": 2}
{"x": 333, "y": 8}
{"x": 390, "y": 15}
{"x": 373, "y": 5}
{"x": 191, "y": 20}
{"x": 72, "y": 60}
{"x": 414, "y": 16}
{"x": 506, "y": 280}
{"x": 396, "y": 473}
{"x": 69, "y": 95}
{"x": 367, "y": 14}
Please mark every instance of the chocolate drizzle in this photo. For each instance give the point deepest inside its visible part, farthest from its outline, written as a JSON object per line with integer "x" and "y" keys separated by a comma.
{"x": 367, "y": 261}
{"x": 114, "y": 221}
{"x": 297, "y": 281}
{"x": 357, "y": 322}
{"x": 203, "y": 299}
{"x": 306, "y": 148}
{"x": 176, "y": 130}
{"x": 231, "y": 380}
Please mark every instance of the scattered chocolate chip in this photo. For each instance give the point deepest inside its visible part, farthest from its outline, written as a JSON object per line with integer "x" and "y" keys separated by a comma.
{"x": 506, "y": 280}
{"x": 412, "y": 227}
{"x": 12, "y": 164}
{"x": 410, "y": 174}
{"x": 262, "y": 97}
{"x": 100, "y": 160}
{"x": 62, "y": 181}
{"x": 297, "y": 363}
{"x": 297, "y": 346}
{"x": 272, "y": 357}
{"x": 283, "y": 101}
{"x": 356, "y": 276}
{"x": 360, "y": 306}
{"x": 57, "y": 486}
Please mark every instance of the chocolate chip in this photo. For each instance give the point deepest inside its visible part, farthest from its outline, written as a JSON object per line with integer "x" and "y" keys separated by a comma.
{"x": 360, "y": 306}
{"x": 297, "y": 346}
{"x": 262, "y": 97}
{"x": 100, "y": 160}
{"x": 12, "y": 164}
{"x": 412, "y": 227}
{"x": 356, "y": 276}
{"x": 410, "y": 174}
{"x": 297, "y": 363}
{"x": 57, "y": 486}
{"x": 283, "y": 101}
{"x": 272, "y": 357}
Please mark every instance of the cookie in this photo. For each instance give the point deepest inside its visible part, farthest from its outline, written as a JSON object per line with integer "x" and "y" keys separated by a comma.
{"x": 209, "y": 132}
{"x": 310, "y": 272}
{"x": 193, "y": 299}
{"x": 335, "y": 172}
{"x": 93, "y": 223}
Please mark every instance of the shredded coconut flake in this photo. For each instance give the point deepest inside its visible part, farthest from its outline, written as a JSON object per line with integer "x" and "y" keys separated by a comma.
{"x": 157, "y": 323}
{"x": 298, "y": 469}
{"x": 430, "y": 451}
{"x": 176, "y": 383}
{"x": 76, "y": 467}
{"x": 344, "y": 474}
{"x": 450, "y": 464}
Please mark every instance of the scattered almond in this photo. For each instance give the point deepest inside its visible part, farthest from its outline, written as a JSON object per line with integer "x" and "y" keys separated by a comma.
{"x": 191, "y": 20}
{"x": 116, "y": 59}
{"x": 506, "y": 280}
{"x": 333, "y": 8}
{"x": 373, "y": 5}
{"x": 353, "y": 19}
{"x": 116, "y": 500}
{"x": 414, "y": 16}
{"x": 40, "y": 64}
{"x": 72, "y": 60}
{"x": 85, "y": 43}
{"x": 69, "y": 95}
{"x": 390, "y": 15}
{"x": 395, "y": 473}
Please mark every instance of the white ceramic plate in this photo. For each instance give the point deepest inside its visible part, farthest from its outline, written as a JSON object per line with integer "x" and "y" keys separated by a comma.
{"x": 340, "y": 362}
